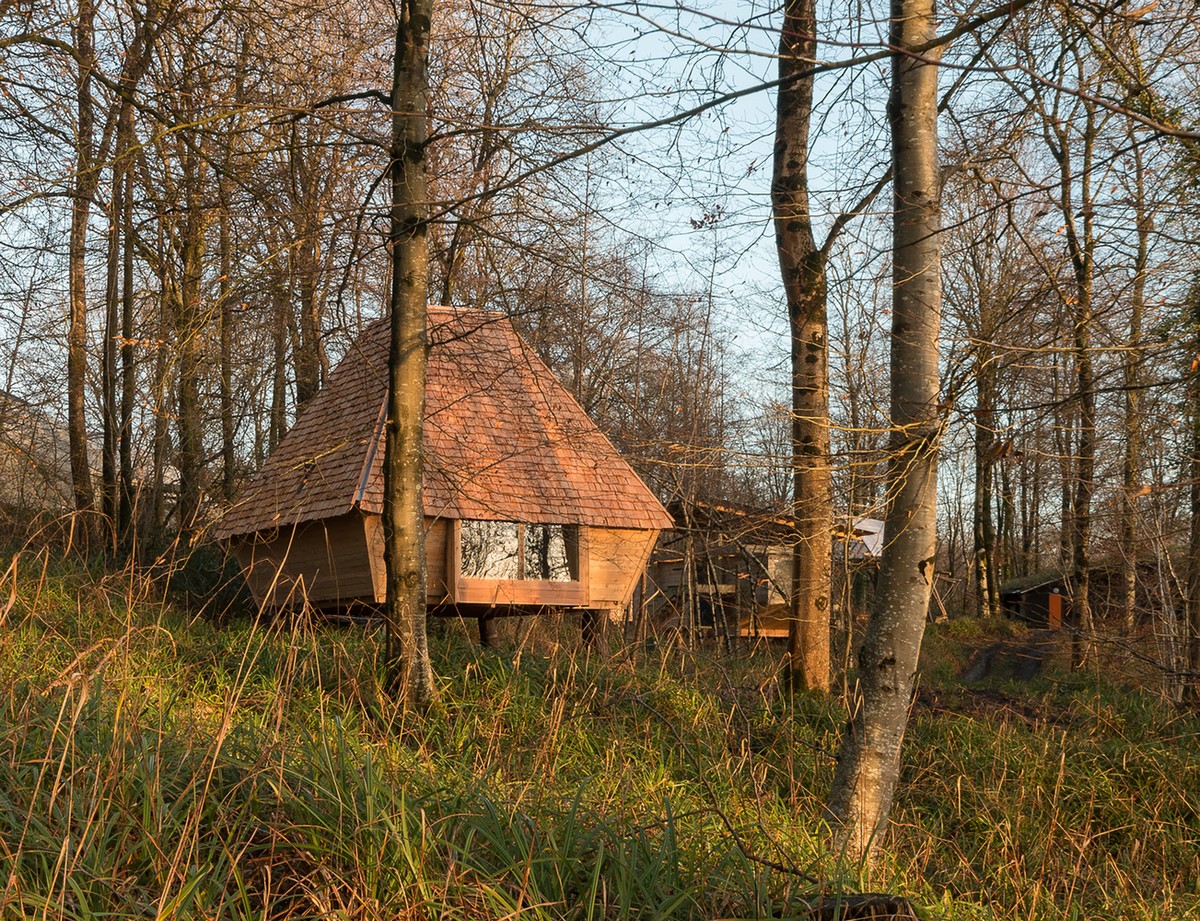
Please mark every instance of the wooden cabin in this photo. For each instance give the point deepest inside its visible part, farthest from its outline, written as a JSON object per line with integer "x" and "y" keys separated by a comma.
{"x": 721, "y": 569}
{"x": 527, "y": 504}
{"x": 1041, "y": 599}
{"x": 1044, "y": 599}
{"x": 726, "y": 569}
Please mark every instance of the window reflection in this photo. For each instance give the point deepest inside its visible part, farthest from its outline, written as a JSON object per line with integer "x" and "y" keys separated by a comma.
{"x": 510, "y": 550}
{"x": 546, "y": 553}
{"x": 490, "y": 550}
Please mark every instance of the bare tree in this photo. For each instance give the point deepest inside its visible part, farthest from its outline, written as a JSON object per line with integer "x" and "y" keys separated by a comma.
{"x": 869, "y": 759}
{"x": 403, "y": 512}
{"x": 803, "y": 267}
{"x": 87, "y": 178}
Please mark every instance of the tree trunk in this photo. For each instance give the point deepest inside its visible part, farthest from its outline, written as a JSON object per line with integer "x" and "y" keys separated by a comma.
{"x": 984, "y": 530}
{"x": 126, "y": 511}
{"x": 802, "y": 265}
{"x": 112, "y": 323}
{"x": 278, "y": 425}
{"x": 1064, "y": 420}
{"x": 1131, "y": 468}
{"x": 308, "y": 343}
{"x": 409, "y": 667}
{"x": 1081, "y": 247}
{"x": 1191, "y": 685}
{"x": 163, "y": 405}
{"x": 188, "y": 345}
{"x": 869, "y": 761}
{"x": 85, "y": 186}
{"x": 228, "y": 430}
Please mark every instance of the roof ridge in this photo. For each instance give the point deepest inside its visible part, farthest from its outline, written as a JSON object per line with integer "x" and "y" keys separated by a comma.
{"x": 372, "y": 449}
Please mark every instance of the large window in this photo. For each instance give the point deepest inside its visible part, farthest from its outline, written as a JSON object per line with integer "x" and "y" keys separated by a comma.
{"x": 510, "y": 550}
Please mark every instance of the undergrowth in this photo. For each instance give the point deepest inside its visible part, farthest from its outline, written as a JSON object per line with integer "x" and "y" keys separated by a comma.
{"x": 153, "y": 763}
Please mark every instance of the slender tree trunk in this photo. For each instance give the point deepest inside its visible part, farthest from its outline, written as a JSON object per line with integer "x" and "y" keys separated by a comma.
{"x": 1063, "y": 446}
{"x": 802, "y": 265}
{"x": 869, "y": 760}
{"x": 125, "y": 513}
{"x": 403, "y": 514}
{"x": 188, "y": 346}
{"x": 162, "y": 397}
{"x": 1191, "y": 686}
{"x": 1084, "y": 488}
{"x": 1004, "y": 544}
{"x": 278, "y": 366}
{"x": 308, "y": 342}
{"x": 984, "y": 530}
{"x": 690, "y": 592}
{"x": 1031, "y": 532}
{"x": 1081, "y": 246}
{"x": 86, "y": 175}
{"x": 1131, "y": 467}
{"x": 228, "y": 432}
{"x": 110, "y": 498}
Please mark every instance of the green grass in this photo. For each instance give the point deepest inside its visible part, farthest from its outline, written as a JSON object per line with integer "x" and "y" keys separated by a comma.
{"x": 155, "y": 764}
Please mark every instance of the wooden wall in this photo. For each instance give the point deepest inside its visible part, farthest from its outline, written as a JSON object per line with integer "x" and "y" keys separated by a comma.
{"x": 323, "y": 562}
{"x": 616, "y": 558}
{"x": 436, "y": 530}
{"x": 340, "y": 560}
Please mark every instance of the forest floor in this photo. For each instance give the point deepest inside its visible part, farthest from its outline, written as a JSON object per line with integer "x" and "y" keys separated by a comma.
{"x": 155, "y": 762}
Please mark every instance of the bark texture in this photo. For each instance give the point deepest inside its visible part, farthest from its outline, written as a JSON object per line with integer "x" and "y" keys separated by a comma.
{"x": 189, "y": 333}
{"x": 1132, "y": 462}
{"x": 802, "y": 265}
{"x": 1079, "y": 228}
{"x": 869, "y": 760}
{"x": 1191, "y": 686}
{"x": 86, "y": 179}
{"x": 409, "y": 667}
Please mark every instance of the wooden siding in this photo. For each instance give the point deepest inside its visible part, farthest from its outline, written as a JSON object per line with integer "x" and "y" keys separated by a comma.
{"x": 436, "y": 530}
{"x": 617, "y": 557}
{"x": 338, "y": 561}
{"x": 323, "y": 562}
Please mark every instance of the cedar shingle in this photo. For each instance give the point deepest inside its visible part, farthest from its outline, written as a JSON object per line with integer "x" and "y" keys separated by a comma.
{"x": 504, "y": 440}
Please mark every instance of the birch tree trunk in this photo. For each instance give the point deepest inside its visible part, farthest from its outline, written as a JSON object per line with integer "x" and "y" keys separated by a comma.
{"x": 802, "y": 265}
{"x": 409, "y": 667}
{"x": 869, "y": 760}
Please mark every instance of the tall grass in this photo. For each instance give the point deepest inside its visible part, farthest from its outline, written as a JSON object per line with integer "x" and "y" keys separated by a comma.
{"x": 155, "y": 764}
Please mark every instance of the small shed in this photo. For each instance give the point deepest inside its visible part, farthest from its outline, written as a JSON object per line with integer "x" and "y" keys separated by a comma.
{"x": 1041, "y": 599}
{"x": 727, "y": 568}
{"x": 527, "y": 504}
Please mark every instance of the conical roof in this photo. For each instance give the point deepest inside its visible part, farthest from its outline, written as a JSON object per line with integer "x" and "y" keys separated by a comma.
{"x": 503, "y": 440}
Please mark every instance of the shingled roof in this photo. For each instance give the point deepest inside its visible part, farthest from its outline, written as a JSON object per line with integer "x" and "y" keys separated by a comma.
{"x": 504, "y": 441}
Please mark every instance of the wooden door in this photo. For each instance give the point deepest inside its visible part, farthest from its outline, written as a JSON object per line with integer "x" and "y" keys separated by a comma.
{"x": 1056, "y": 611}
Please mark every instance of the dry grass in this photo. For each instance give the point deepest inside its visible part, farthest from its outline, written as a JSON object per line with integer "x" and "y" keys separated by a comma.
{"x": 155, "y": 764}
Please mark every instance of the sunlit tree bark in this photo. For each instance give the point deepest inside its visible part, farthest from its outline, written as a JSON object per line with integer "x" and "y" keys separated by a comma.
{"x": 87, "y": 176}
{"x": 403, "y": 514}
{"x": 802, "y": 265}
{"x": 869, "y": 759}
